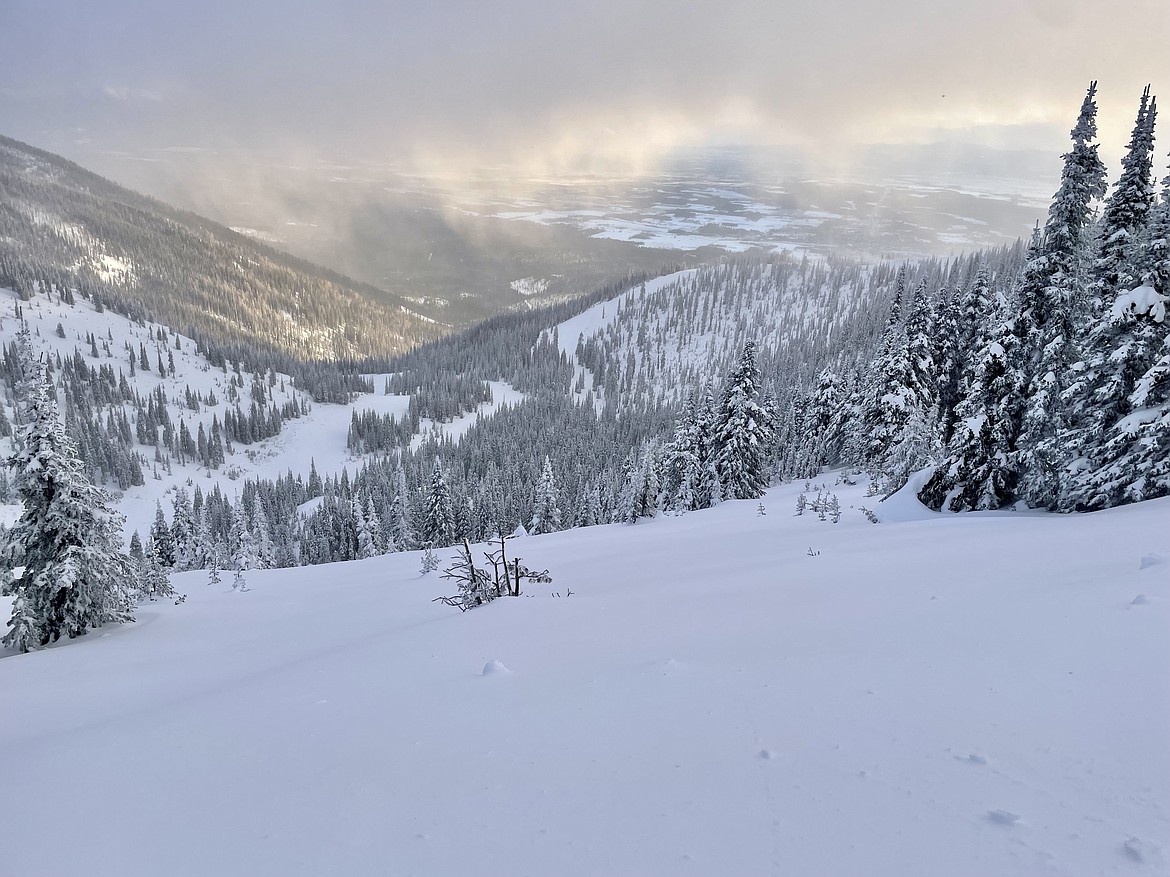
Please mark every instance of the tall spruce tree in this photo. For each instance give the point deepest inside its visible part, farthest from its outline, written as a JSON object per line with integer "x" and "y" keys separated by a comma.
{"x": 546, "y": 514}
{"x": 67, "y": 538}
{"x": 978, "y": 470}
{"x": 1127, "y": 211}
{"x": 744, "y": 432}
{"x": 1052, "y": 307}
{"x": 438, "y": 519}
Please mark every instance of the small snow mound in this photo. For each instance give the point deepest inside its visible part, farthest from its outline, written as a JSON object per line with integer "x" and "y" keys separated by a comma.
{"x": 1002, "y": 817}
{"x": 975, "y": 759}
{"x": 766, "y": 754}
{"x": 903, "y": 504}
{"x": 1149, "y": 560}
{"x": 1139, "y": 600}
{"x": 495, "y": 668}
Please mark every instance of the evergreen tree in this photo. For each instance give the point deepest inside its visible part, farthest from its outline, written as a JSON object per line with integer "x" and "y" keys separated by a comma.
{"x": 161, "y": 540}
{"x": 369, "y": 530}
{"x": 183, "y": 534}
{"x": 882, "y": 410}
{"x": 1051, "y": 309}
{"x": 546, "y": 514}
{"x": 242, "y": 547}
{"x": 399, "y": 532}
{"x": 1126, "y": 212}
{"x": 438, "y": 521}
{"x": 1126, "y": 440}
{"x": 978, "y": 471}
{"x": 744, "y": 431}
{"x": 826, "y": 427}
{"x": 67, "y": 539}
{"x": 154, "y": 581}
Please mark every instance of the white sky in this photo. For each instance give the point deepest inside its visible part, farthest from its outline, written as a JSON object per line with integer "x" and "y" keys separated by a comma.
{"x": 546, "y": 85}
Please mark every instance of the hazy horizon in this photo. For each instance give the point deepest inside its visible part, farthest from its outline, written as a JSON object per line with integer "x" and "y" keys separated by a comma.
{"x": 452, "y": 88}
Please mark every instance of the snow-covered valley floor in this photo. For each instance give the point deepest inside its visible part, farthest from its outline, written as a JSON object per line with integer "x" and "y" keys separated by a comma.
{"x": 722, "y": 693}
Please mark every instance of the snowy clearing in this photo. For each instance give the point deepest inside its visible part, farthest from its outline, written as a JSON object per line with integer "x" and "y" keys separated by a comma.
{"x": 723, "y": 693}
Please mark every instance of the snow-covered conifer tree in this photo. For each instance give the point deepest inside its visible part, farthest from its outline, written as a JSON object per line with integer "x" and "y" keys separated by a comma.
{"x": 67, "y": 537}
{"x": 978, "y": 470}
{"x": 242, "y": 547}
{"x": 183, "y": 533}
{"x": 438, "y": 520}
{"x": 369, "y": 529}
{"x": 161, "y": 539}
{"x": 399, "y": 515}
{"x": 546, "y": 514}
{"x": 154, "y": 580}
{"x": 744, "y": 432}
{"x": 1051, "y": 310}
{"x": 1126, "y": 212}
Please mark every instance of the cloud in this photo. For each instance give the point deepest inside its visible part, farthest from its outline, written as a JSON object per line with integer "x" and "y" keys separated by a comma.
{"x": 547, "y": 87}
{"x": 129, "y": 93}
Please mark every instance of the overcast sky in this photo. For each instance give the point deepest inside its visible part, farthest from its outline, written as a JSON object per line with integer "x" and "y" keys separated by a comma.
{"x": 456, "y": 83}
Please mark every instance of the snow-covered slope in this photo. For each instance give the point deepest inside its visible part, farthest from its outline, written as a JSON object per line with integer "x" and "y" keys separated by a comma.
{"x": 319, "y": 437}
{"x": 722, "y": 693}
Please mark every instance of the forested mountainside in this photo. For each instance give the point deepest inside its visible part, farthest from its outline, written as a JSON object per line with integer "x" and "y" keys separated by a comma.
{"x": 1032, "y": 375}
{"x": 65, "y": 228}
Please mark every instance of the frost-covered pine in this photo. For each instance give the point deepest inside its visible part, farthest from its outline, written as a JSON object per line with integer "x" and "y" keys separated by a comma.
{"x": 744, "y": 432}
{"x": 683, "y": 459}
{"x": 183, "y": 532}
{"x": 640, "y": 492}
{"x": 1156, "y": 266}
{"x": 900, "y": 411}
{"x": 203, "y": 546}
{"x": 398, "y": 517}
{"x": 1051, "y": 310}
{"x": 1127, "y": 211}
{"x": 430, "y": 561}
{"x": 213, "y": 576}
{"x": 264, "y": 549}
{"x": 978, "y": 471}
{"x": 154, "y": 580}
{"x": 369, "y": 529}
{"x": 546, "y": 514}
{"x": 824, "y": 419}
{"x": 1120, "y": 350}
{"x": 438, "y": 519}
{"x": 161, "y": 539}
{"x": 1133, "y": 463}
{"x": 242, "y": 547}
{"x": 917, "y": 445}
{"x": 75, "y": 575}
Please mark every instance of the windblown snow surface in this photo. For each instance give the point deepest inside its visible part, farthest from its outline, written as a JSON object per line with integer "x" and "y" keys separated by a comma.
{"x": 722, "y": 693}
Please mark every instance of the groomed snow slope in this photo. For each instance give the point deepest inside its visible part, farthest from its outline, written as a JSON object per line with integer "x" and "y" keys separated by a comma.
{"x": 955, "y": 695}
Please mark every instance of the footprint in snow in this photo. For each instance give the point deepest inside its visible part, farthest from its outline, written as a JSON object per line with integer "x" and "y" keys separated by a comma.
{"x": 1002, "y": 817}
{"x": 1149, "y": 560}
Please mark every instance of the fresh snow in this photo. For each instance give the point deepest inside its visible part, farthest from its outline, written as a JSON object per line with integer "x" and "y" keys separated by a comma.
{"x": 594, "y": 320}
{"x": 721, "y": 693}
{"x": 320, "y": 438}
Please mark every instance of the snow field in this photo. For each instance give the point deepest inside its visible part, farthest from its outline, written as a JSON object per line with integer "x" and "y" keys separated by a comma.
{"x": 722, "y": 692}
